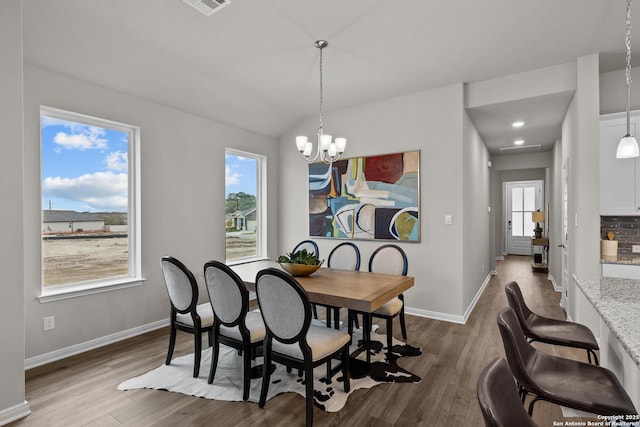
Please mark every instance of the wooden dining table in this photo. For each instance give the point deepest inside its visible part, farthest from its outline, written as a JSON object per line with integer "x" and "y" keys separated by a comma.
{"x": 355, "y": 290}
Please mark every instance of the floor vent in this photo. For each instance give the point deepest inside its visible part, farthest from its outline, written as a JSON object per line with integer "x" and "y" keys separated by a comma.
{"x": 520, "y": 149}
{"x": 207, "y": 7}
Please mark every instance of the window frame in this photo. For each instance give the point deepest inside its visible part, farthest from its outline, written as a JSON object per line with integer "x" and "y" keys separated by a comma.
{"x": 134, "y": 276}
{"x": 261, "y": 206}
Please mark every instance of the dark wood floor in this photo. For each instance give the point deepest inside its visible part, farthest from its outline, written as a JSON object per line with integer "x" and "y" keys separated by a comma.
{"x": 82, "y": 390}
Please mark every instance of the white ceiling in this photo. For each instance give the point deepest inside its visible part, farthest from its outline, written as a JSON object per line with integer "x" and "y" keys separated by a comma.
{"x": 253, "y": 64}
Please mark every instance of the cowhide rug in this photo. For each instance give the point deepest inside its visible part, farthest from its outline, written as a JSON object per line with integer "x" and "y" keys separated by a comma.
{"x": 227, "y": 385}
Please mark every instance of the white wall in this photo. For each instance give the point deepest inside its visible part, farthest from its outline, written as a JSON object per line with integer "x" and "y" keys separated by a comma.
{"x": 182, "y": 189}
{"x": 555, "y": 216}
{"x": 12, "y": 391}
{"x": 580, "y": 139}
{"x": 613, "y": 91}
{"x": 477, "y": 260}
{"x": 431, "y": 121}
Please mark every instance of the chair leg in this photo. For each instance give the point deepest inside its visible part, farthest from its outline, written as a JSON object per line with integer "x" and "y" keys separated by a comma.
{"x": 389, "y": 337}
{"x": 172, "y": 344}
{"x": 531, "y": 405}
{"x": 197, "y": 339}
{"x": 336, "y": 317}
{"x": 403, "y": 327}
{"x": 246, "y": 373}
{"x": 215, "y": 350}
{"x": 595, "y": 357}
{"x": 350, "y": 317}
{"x": 308, "y": 380}
{"x": 210, "y": 337}
{"x": 266, "y": 375}
{"x": 315, "y": 311}
{"x": 345, "y": 369}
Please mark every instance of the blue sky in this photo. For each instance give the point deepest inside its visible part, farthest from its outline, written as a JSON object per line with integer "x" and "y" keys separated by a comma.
{"x": 84, "y": 168}
{"x": 240, "y": 174}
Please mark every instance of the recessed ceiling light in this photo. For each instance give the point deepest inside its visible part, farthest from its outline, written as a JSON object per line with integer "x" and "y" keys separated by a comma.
{"x": 517, "y": 124}
{"x": 518, "y": 141}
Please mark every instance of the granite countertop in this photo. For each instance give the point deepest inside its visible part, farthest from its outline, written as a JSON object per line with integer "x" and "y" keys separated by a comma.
{"x": 618, "y": 303}
{"x": 620, "y": 259}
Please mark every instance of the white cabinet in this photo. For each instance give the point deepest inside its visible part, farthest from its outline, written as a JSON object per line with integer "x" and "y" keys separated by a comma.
{"x": 619, "y": 178}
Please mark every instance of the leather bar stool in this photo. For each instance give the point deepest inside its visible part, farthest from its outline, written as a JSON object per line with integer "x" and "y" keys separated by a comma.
{"x": 550, "y": 331}
{"x": 558, "y": 380}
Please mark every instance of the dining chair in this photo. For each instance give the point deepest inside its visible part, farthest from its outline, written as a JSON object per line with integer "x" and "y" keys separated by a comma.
{"x": 548, "y": 330}
{"x": 311, "y": 247}
{"x": 345, "y": 256}
{"x": 387, "y": 259}
{"x": 565, "y": 382}
{"x": 234, "y": 324}
{"x": 498, "y": 397}
{"x": 291, "y": 339}
{"x": 186, "y": 314}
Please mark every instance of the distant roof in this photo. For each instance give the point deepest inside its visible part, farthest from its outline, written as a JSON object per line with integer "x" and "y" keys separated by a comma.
{"x": 249, "y": 213}
{"x": 67, "y": 216}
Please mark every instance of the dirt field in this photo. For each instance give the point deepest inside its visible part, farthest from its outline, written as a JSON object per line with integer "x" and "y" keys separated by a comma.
{"x": 76, "y": 260}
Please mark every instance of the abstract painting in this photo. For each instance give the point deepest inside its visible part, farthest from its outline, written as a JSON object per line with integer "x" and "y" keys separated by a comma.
{"x": 371, "y": 198}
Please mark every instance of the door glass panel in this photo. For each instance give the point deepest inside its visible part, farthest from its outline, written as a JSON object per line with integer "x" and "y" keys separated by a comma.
{"x": 516, "y": 199}
{"x": 516, "y": 223}
{"x": 529, "y": 199}
{"x": 529, "y": 225}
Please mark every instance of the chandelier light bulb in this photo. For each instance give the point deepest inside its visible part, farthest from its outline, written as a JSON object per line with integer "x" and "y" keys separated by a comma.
{"x": 301, "y": 143}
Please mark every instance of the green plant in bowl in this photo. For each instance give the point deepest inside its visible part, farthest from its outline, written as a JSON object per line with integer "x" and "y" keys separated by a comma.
{"x": 299, "y": 263}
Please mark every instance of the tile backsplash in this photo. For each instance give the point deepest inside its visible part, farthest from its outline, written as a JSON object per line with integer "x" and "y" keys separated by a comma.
{"x": 626, "y": 230}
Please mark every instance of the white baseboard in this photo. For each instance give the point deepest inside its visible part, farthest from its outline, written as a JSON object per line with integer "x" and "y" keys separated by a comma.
{"x": 14, "y": 413}
{"x": 52, "y": 356}
{"x": 500, "y": 258}
{"x": 452, "y": 317}
{"x": 553, "y": 282}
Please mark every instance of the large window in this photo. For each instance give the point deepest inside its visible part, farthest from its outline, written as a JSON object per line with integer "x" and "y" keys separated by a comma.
{"x": 244, "y": 205}
{"x": 89, "y": 202}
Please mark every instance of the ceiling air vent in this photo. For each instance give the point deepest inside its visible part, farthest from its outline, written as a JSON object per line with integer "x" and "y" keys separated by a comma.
{"x": 207, "y": 7}
{"x": 520, "y": 149}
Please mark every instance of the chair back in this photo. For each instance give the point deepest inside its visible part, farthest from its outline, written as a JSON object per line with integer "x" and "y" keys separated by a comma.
{"x": 227, "y": 292}
{"x": 345, "y": 256}
{"x": 181, "y": 285}
{"x": 389, "y": 259}
{"x": 520, "y": 308}
{"x": 310, "y": 246}
{"x": 284, "y": 305}
{"x": 516, "y": 347}
{"x": 498, "y": 397}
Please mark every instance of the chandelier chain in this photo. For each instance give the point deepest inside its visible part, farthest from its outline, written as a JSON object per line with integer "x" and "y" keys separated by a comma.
{"x": 628, "y": 65}
{"x": 321, "y": 90}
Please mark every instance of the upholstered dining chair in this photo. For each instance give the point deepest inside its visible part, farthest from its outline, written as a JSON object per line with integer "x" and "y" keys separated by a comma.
{"x": 291, "y": 339}
{"x": 558, "y": 380}
{"x": 548, "y": 330}
{"x": 312, "y": 248}
{"x": 186, "y": 314}
{"x": 345, "y": 256}
{"x": 234, "y": 324}
{"x": 309, "y": 245}
{"x": 387, "y": 259}
{"x": 498, "y": 397}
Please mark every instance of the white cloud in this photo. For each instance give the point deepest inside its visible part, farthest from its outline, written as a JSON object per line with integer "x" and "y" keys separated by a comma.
{"x": 230, "y": 177}
{"x": 101, "y": 190}
{"x": 82, "y": 141}
{"x": 116, "y": 161}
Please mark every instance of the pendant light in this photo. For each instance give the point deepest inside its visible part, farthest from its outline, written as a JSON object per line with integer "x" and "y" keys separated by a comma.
{"x": 628, "y": 146}
{"x": 329, "y": 149}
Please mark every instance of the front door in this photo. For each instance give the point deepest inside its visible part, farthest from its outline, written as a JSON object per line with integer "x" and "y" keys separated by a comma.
{"x": 522, "y": 198}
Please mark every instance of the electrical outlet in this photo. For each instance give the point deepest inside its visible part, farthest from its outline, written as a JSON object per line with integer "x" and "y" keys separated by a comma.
{"x": 635, "y": 249}
{"x": 49, "y": 323}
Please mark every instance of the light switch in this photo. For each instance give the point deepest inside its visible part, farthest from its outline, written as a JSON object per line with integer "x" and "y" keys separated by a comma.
{"x": 448, "y": 220}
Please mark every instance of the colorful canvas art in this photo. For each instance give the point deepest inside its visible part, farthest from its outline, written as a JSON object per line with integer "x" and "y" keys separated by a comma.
{"x": 372, "y": 198}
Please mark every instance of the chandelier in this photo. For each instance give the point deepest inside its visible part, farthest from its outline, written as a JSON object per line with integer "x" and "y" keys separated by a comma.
{"x": 329, "y": 149}
{"x": 628, "y": 146}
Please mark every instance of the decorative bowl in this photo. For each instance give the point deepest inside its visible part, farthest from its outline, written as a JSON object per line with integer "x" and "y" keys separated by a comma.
{"x": 299, "y": 270}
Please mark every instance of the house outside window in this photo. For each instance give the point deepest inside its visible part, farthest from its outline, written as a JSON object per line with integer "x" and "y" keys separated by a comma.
{"x": 90, "y": 200}
{"x": 244, "y": 206}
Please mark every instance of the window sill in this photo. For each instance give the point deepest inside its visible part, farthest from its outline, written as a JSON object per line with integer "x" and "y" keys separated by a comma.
{"x": 246, "y": 260}
{"x": 73, "y": 291}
